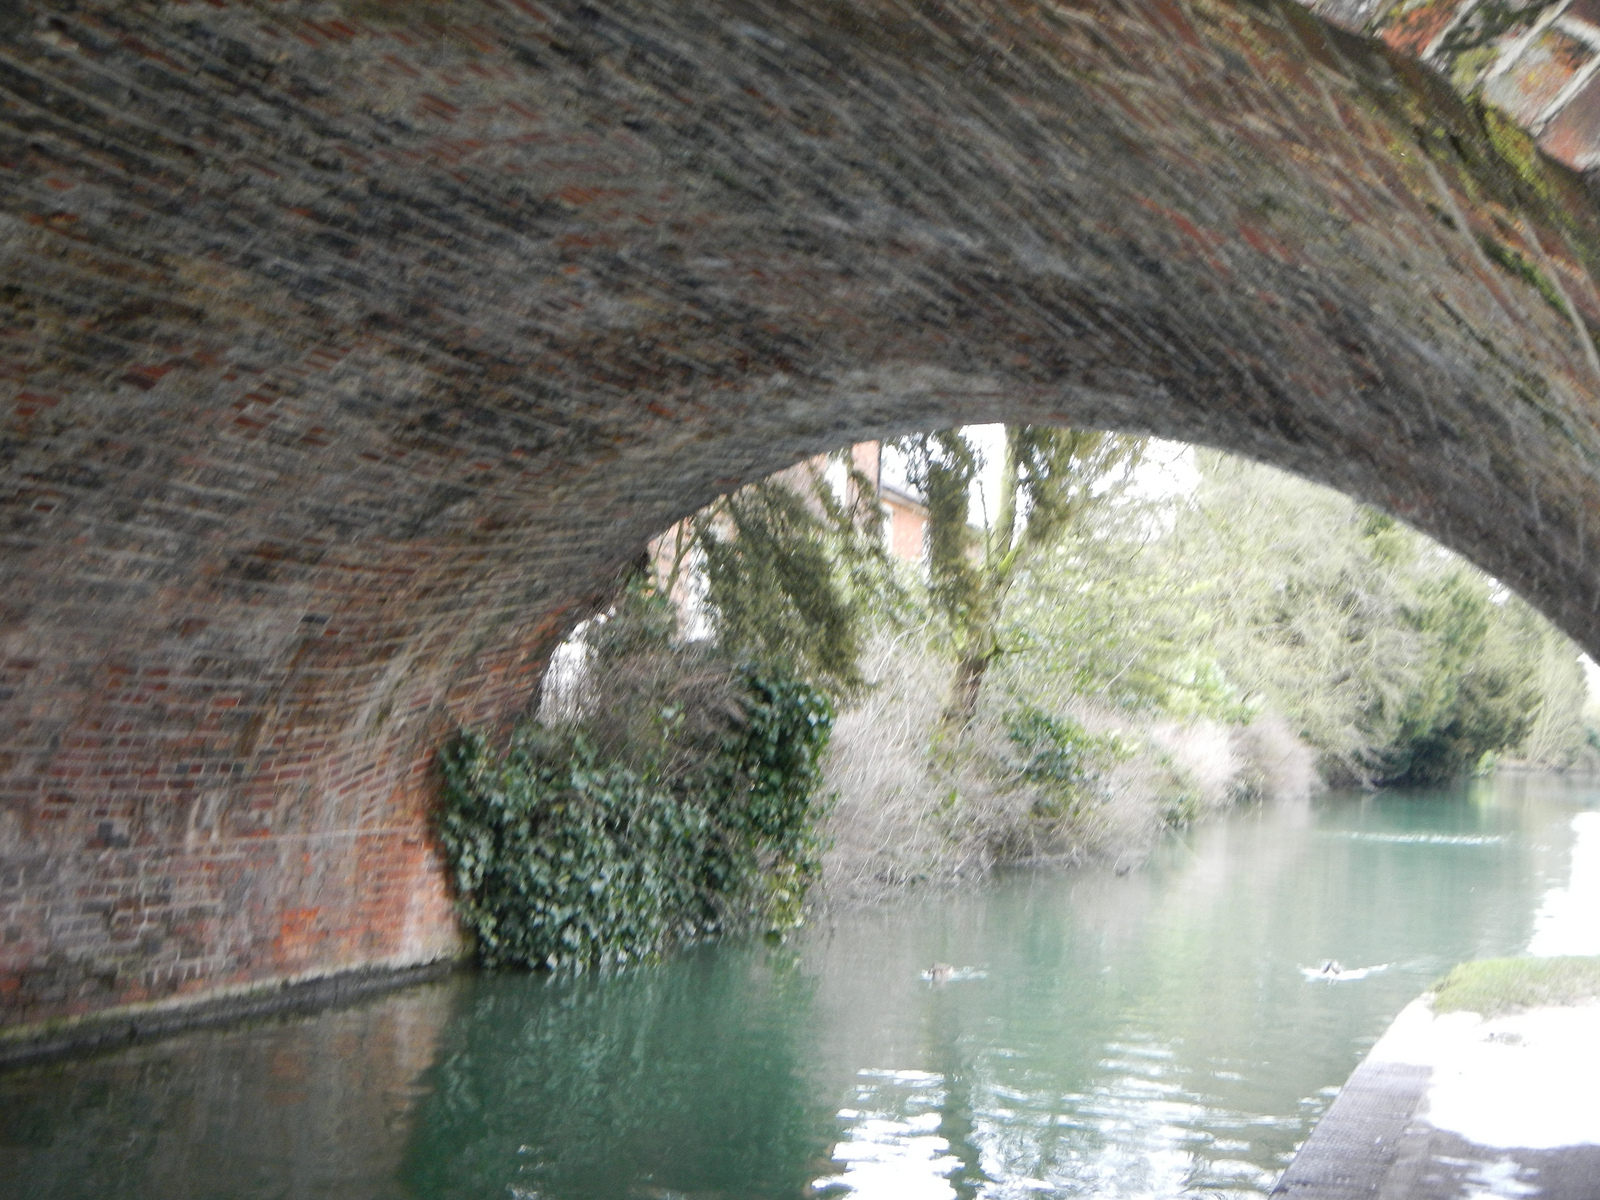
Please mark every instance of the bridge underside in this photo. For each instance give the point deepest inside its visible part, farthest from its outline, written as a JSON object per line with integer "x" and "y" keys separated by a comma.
{"x": 352, "y": 347}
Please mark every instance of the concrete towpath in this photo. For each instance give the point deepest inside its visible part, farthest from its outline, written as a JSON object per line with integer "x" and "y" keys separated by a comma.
{"x": 1457, "y": 1107}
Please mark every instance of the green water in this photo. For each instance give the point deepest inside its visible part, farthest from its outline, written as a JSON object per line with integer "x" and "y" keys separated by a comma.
{"x": 1150, "y": 1034}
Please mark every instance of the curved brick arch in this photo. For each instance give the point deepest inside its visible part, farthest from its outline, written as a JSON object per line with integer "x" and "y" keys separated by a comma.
{"x": 352, "y": 347}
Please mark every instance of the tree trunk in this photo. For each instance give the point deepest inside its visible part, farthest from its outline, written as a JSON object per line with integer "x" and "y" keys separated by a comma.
{"x": 981, "y": 646}
{"x": 972, "y": 664}
{"x": 964, "y": 690}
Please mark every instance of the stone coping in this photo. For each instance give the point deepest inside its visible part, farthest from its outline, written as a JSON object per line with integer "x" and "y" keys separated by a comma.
{"x": 1449, "y": 1106}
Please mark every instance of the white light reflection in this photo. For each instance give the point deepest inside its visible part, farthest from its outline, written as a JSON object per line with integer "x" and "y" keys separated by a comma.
{"x": 1497, "y": 1180}
{"x": 1419, "y": 839}
{"x": 892, "y": 1149}
{"x": 1566, "y": 922}
{"x": 1139, "y": 1134}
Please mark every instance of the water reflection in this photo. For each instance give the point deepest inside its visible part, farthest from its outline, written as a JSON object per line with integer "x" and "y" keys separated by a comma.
{"x": 1155, "y": 1035}
{"x": 1148, "y": 1035}
{"x": 892, "y": 1149}
{"x": 291, "y": 1109}
{"x": 681, "y": 1080}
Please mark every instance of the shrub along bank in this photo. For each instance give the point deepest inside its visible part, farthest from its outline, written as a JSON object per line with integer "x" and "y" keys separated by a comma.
{"x": 671, "y": 789}
{"x": 568, "y": 855}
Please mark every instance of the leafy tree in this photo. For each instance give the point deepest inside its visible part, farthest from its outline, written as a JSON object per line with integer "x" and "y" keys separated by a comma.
{"x": 1559, "y": 735}
{"x": 1484, "y": 686}
{"x": 795, "y": 574}
{"x": 1110, "y": 613}
{"x": 1306, "y": 596}
{"x": 1394, "y": 659}
{"x": 1053, "y": 482}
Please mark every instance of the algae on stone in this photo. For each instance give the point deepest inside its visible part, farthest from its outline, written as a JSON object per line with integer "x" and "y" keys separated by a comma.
{"x": 1495, "y": 986}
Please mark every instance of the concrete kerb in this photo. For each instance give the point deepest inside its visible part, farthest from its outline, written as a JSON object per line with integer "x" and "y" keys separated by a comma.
{"x": 1448, "y": 1106}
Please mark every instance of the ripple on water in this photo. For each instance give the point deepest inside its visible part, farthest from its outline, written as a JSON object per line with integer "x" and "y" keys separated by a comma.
{"x": 1138, "y": 1038}
{"x": 891, "y": 1145}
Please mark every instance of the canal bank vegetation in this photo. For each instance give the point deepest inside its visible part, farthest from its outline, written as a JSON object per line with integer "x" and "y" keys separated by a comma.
{"x": 698, "y": 817}
{"x": 1399, "y": 663}
{"x": 670, "y": 788}
{"x": 1059, "y": 779}
{"x": 1080, "y": 662}
{"x": 1145, "y": 659}
{"x": 1493, "y": 987}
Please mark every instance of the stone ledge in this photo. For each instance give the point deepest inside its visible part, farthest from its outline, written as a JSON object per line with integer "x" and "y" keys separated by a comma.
{"x": 126, "y": 1026}
{"x": 1454, "y": 1106}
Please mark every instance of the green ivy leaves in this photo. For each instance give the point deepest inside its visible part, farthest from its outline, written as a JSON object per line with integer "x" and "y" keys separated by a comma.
{"x": 566, "y": 860}
{"x": 1062, "y": 757}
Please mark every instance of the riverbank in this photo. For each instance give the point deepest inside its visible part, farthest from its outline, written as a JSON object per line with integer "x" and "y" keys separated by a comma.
{"x": 1453, "y": 1103}
{"x": 1062, "y": 780}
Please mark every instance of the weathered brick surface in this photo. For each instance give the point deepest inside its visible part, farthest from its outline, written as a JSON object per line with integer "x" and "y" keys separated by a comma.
{"x": 350, "y": 348}
{"x": 1536, "y": 60}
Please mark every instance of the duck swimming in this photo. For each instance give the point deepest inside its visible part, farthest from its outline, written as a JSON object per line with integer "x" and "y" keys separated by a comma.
{"x": 1333, "y": 971}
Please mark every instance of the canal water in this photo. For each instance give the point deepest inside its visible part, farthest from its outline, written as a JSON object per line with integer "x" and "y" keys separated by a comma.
{"x": 1156, "y": 1034}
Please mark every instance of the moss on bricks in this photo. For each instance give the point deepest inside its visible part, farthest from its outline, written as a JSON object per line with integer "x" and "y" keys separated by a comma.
{"x": 1514, "y": 264}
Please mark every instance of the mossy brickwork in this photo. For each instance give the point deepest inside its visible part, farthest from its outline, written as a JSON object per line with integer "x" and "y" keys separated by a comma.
{"x": 349, "y": 355}
{"x": 1537, "y": 62}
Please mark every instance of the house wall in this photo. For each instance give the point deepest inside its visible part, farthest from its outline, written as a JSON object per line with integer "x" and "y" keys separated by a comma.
{"x": 908, "y": 529}
{"x": 1537, "y": 61}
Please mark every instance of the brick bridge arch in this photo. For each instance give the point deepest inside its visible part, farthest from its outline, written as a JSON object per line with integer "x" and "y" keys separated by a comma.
{"x": 351, "y": 347}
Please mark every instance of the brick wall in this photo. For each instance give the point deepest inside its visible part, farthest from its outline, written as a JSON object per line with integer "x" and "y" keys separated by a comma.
{"x": 351, "y": 348}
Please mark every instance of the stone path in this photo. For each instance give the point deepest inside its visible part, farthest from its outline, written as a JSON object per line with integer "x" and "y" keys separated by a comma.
{"x": 1456, "y": 1107}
